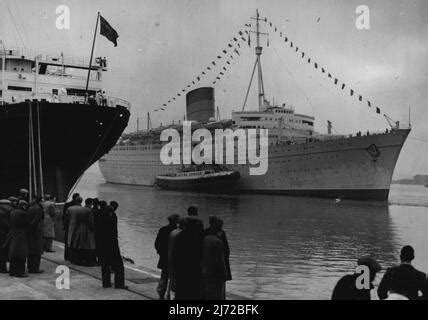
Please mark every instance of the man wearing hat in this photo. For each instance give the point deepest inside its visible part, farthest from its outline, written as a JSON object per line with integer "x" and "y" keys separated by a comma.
{"x": 214, "y": 270}
{"x": 24, "y": 195}
{"x": 161, "y": 246}
{"x": 109, "y": 252}
{"x": 50, "y": 213}
{"x": 13, "y": 201}
{"x": 405, "y": 277}
{"x": 17, "y": 240}
{"x": 35, "y": 235}
{"x": 346, "y": 288}
{"x": 6, "y": 206}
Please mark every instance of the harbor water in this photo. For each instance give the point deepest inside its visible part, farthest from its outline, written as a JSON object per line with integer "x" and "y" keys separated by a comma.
{"x": 281, "y": 247}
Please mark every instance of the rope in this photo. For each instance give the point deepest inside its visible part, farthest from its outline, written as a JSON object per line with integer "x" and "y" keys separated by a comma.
{"x": 30, "y": 182}
{"x": 324, "y": 70}
{"x": 40, "y": 150}
{"x": 370, "y": 114}
{"x": 249, "y": 86}
{"x": 226, "y": 55}
{"x": 33, "y": 181}
{"x": 33, "y": 156}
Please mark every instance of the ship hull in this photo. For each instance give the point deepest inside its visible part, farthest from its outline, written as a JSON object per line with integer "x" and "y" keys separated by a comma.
{"x": 356, "y": 194}
{"x": 359, "y": 167}
{"x": 72, "y": 138}
{"x": 216, "y": 184}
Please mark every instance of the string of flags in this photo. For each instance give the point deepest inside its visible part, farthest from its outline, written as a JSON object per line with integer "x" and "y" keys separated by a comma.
{"x": 227, "y": 55}
{"x": 316, "y": 65}
{"x": 232, "y": 50}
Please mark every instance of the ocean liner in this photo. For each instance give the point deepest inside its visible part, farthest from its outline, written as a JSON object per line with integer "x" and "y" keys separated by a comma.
{"x": 51, "y": 128}
{"x": 301, "y": 161}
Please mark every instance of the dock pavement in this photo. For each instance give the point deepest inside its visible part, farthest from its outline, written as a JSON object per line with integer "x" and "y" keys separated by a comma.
{"x": 85, "y": 282}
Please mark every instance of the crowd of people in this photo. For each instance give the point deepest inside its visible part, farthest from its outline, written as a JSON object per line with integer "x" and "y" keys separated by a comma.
{"x": 27, "y": 230}
{"x": 194, "y": 261}
{"x": 91, "y": 237}
{"x": 401, "y": 282}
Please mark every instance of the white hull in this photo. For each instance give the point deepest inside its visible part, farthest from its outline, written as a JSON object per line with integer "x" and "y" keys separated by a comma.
{"x": 331, "y": 168}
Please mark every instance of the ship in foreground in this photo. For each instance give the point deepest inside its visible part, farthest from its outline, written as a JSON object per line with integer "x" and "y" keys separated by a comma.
{"x": 51, "y": 128}
{"x": 301, "y": 161}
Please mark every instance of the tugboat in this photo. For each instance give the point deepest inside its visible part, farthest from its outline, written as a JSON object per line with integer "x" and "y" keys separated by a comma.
{"x": 201, "y": 178}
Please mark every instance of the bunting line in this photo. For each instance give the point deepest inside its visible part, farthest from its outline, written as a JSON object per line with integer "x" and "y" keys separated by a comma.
{"x": 231, "y": 50}
{"x": 316, "y": 65}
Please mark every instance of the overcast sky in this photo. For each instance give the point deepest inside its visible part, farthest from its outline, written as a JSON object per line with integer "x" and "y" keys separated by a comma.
{"x": 164, "y": 45}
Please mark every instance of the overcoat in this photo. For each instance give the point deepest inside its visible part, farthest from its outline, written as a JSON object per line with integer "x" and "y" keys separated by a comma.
{"x": 35, "y": 233}
{"x": 84, "y": 237}
{"x": 17, "y": 238}
{"x": 50, "y": 213}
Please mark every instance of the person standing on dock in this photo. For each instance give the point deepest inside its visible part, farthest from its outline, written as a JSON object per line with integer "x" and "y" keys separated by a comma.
{"x": 109, "y": 252}
{"x": 71, "y": 218}
{"x": 35, "y": 235}
{"x": 187, "y": 257}
{"x": 346, "y": 287}
{"x": 50, "y": 213}
{"x": 66, "y": 224}
{"x": 17, "y": 240}
{"x": 226, "y": 249}
{"x": 83, "y": 242}
{"x": 5, "y": 210}
{"x": 404, "y": 276}
{"x": 214, "y": 268}
{"x": 161, "y": 246}
{"x": 170, "y": 294}
{"x": 194, "y": 221}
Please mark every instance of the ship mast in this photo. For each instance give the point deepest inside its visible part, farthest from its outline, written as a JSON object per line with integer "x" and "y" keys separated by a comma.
{"x": 258, "y": 65}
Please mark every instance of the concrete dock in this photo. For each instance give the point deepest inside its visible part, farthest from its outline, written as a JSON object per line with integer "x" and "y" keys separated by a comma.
{"x": 85, "y": 283}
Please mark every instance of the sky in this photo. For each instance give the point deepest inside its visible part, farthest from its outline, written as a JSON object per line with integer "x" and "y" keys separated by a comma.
{"x": 164, "y": 44}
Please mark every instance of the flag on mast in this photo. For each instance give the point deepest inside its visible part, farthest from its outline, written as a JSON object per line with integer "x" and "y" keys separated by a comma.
{"x": 108, "y": 31}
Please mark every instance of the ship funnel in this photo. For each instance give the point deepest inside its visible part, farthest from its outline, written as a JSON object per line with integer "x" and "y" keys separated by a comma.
{"x": 200, "y": 104}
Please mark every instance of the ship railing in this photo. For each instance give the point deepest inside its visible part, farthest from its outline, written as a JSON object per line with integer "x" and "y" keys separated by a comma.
{"x": 62, "y": 98}
{"x": 115, "y": 101}
{"x": 48, "y": 57}
{"x": 351, "y": 135}
{"x": 59, "y": 74}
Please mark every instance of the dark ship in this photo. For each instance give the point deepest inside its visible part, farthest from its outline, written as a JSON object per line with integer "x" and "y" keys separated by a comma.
{"x": 51, "y": 128}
